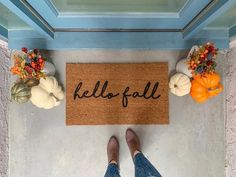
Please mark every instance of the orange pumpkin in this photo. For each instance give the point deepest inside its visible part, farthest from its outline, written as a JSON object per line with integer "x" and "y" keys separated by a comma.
{"x": 205, "y": 86}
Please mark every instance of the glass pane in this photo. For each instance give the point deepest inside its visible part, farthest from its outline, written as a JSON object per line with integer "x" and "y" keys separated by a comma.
{"x": 9, "y": 20}
{"x": 227, "y": 19}
{"x": 118, "y": 5}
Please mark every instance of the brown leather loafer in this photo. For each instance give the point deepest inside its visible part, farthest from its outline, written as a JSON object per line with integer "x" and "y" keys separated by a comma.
{"x": 132, "y": 141}
{"x": 113, "y": 150}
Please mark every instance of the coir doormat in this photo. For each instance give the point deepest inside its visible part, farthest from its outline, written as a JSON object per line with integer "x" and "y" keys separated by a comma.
{"x": 117, "y": 94}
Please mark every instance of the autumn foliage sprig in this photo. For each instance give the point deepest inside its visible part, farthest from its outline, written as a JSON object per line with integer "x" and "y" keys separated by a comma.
{"x": 203, "y": 60}
{"x": 29, "y": 65}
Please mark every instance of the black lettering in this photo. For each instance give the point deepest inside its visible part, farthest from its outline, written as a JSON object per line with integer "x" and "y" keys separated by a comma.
{"x": 125, "y": 97}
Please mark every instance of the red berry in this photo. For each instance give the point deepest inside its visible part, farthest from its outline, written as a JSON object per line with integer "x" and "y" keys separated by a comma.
{"x": 40, "y": 60}
{"x": 28, "y": 69}
{"x": 24, "y": 49}
{"x": 36, "y": 51}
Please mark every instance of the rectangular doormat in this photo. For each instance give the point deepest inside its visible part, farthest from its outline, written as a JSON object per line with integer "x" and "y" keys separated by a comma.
{"x": 99, "y": 94}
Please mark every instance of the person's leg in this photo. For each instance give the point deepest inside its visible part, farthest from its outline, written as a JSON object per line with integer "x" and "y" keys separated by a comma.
{"x": 113, "y": 158}
{"x": 143, "y": 168}
{"x": 112, "y": 170}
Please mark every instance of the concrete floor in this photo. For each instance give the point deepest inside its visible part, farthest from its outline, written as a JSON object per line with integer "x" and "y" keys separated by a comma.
{"x": 4, "y": 100}
{"x": 192, "y": 145}
{"x": 231, "y": 112}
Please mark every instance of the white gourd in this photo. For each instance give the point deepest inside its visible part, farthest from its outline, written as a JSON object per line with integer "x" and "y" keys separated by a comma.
{"x": 49, "y": 69}
{"x": 182, "y": 65}
{"x": 180, "y": 84}
{"x": 47, "y": 94}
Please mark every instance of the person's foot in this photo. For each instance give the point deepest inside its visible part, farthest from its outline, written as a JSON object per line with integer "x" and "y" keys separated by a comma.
{"x": 133, "y": 142}
{"x": 113, "y": 150}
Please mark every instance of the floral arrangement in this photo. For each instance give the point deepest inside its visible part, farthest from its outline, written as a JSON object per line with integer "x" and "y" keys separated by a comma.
{"x": 196, "y": 75}
{"x": 29, "y": 65}
{"x": 203, "y": 60}
{"x": 35, "y": 81}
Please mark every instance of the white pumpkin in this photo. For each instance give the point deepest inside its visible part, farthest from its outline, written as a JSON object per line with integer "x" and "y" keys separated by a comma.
{"x": 47, "y": 94}
{"x": 180, "y": 84}
{"x": 49, "y": 69}
{"x": 182, "y": 65}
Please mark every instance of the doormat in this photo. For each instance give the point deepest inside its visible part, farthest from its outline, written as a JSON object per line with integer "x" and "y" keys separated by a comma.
{"x": 98, "y": 94}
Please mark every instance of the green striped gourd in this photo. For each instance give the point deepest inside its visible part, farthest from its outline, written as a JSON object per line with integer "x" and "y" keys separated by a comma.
{"x": 20, "y": 92}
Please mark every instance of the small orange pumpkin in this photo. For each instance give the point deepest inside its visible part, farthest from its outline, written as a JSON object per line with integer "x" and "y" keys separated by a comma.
{"x": 205, "y": 86}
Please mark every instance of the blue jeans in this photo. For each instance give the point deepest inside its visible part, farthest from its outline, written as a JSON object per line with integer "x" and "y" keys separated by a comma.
{"x": 143, "y": 168}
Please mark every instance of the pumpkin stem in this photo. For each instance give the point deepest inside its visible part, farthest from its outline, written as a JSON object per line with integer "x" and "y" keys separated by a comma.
{"x": 51, "y": 94}
{"x": 211, "y": 89}
{"x": 175, "y": 86}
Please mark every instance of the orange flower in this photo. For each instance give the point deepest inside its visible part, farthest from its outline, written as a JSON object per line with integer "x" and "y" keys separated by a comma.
{"x": 42, "y": 65}
{"x": 33, "y": 64}
{"x": 33, "y": 55}
{"x": 15, "y": 70}
{"x": 24, "y": 68}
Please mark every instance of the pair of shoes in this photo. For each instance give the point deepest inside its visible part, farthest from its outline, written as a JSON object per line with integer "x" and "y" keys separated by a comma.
{"x": 113, "y": 146}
